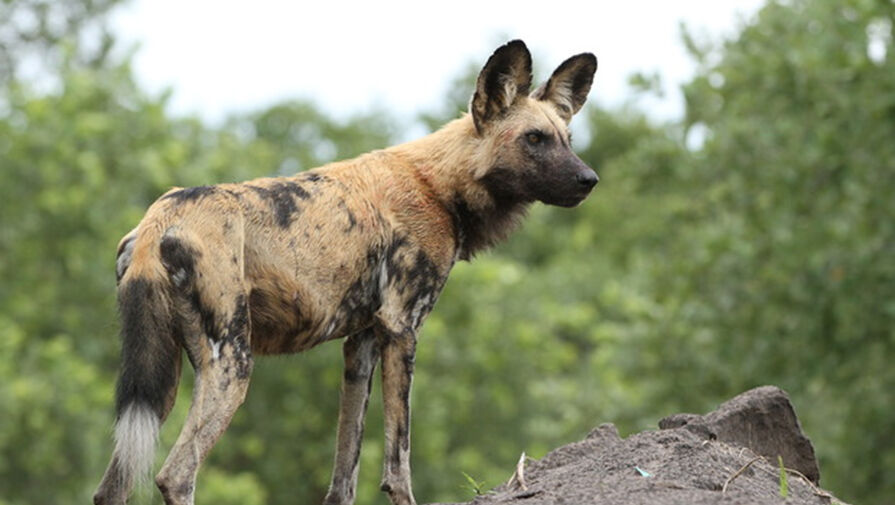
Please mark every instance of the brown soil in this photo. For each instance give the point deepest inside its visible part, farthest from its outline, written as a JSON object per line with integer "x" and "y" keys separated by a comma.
{"x": 728, "y": 456}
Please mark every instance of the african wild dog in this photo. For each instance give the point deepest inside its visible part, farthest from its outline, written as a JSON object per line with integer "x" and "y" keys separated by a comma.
{"x": 357, "y": 249}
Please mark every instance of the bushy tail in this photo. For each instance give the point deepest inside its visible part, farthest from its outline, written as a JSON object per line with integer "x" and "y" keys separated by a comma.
{"x": 150, "y": 371}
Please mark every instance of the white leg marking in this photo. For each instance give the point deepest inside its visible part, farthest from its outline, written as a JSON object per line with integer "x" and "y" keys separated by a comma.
{"x": 215, "y": 348}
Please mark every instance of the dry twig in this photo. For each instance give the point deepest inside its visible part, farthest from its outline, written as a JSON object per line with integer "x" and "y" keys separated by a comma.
{"x": 519, "y": 475}
{"x": 817, "y": 490}
{"x": 738, "y": 472}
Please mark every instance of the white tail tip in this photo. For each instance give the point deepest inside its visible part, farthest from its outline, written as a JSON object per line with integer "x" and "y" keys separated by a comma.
{"x": 136, "y": 435}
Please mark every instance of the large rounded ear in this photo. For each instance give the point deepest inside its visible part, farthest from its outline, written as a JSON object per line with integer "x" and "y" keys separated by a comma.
{"x": 567, "y": 88}
{"x": 506, "y": 76}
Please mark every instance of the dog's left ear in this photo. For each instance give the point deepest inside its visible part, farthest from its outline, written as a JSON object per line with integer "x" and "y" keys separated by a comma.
{"x": 567, "y": 88}
{"x": 505, "y": 77}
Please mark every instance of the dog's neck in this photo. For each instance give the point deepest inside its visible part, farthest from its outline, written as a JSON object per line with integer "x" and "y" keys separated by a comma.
{"x": 450, "y": 164}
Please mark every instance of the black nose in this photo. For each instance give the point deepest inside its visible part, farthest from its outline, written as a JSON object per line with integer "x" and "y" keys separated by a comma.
{"x": 587, "y": 178}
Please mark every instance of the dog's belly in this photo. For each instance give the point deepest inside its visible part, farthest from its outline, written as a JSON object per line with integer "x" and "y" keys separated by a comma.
{"x": 281, "y": 324}
{"x": 318, "y": 298}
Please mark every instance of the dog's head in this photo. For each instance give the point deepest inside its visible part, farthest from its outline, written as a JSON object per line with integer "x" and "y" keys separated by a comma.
{"x": 527, "y": 133}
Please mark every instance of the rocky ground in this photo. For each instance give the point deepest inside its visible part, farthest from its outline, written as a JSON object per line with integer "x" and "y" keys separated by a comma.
{"x": 729, "y": 456}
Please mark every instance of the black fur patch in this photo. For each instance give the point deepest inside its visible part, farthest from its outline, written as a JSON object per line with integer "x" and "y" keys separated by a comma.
{"x": 352, "y": 221}
{"x": 403, "y": 428}
{"x": 243, "y": 358}
{"x": 415, "y": 277}
{"x": 276, "y": 322}
{"x": 206, "y": 316}
{"x": 362, "y": 299}
{"x": 351, "y": 376}
{"x": 312, "y": 177}
{"x": 239, "y": 323}
{"x": 505, "y": 186}
{"x": 409, "y": 360}
{"x": 282, "y": 196}
{"x": 190, "y": 194}
{"x": 361, "y": 365}
{"x": 179, "y": 260}
{"x": 424, "y": 280}
{"x": 149, "y": 351}
{"x": 237, "y": 336}
{"x": 479, "y": 229}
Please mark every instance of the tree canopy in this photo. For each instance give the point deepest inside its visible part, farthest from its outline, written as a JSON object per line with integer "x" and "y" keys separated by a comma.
{"x": 749, "y": 242}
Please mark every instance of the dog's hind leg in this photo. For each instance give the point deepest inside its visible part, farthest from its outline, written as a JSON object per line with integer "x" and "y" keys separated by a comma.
{"x": 213, "y": 307}
{"x": 361, "y": 353}
{"x": 220, "y": 388}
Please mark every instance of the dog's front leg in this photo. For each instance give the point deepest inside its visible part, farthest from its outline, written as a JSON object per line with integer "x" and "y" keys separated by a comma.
{"x": 398, "y": 354}
{"x": 361, "y": 353}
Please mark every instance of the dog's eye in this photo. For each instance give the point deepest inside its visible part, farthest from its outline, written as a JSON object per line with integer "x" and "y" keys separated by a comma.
{"x": 534, "y": 138}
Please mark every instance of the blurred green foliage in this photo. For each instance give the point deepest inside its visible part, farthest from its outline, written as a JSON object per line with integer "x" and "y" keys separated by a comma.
{"x": 750, "y": 242}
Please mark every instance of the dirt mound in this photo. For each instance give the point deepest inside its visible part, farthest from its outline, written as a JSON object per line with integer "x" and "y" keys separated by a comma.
{"x": 728, "y": 456}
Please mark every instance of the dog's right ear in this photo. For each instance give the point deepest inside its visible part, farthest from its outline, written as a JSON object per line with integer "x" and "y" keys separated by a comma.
{"x": 569, "y": 85}
{"x": 506, "y": 77}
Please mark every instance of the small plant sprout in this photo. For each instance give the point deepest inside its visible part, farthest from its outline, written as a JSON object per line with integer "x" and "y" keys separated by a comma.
{"x": 472, "y": 484}
{"x": 784, "y": 484}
